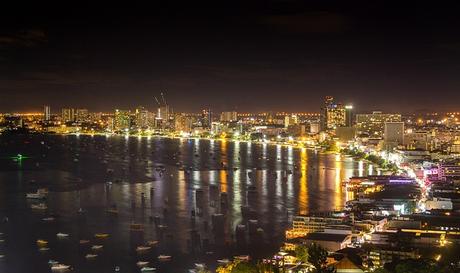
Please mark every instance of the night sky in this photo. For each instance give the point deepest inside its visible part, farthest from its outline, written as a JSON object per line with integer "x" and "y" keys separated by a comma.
{"x": 269, "y": 55}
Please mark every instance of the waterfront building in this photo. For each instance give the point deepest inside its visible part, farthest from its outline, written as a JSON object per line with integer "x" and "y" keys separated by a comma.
{"x": 68, "y": 114}
{"x": 46, "y": 113}
{"x": 183, "y": 123}
{"x": 141, "y": 118}
{"x": 333, "y": 114}
{"x": 229, "y": 116}
{"x": 393, "y": 134}
{"x": 206, "y": 118}
{"x": 81, "y": 115}
{"x": 122, "y": 120}
{"x": 373, "y": 124}
{"x": 302, "y": 225}
{"x": 290, "y": 120}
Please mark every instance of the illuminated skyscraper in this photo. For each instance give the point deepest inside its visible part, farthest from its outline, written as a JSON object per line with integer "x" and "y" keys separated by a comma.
{"x": 122, "y": 120}
{"x": 348, "y": 115}
{"x": 394, "y": 134}
{"x": 229, "y": 116}
{"x": 68, "y": 114}
{"x": 142, "y": 118}
{"x": 47, "y": 113}
{"x": 81, "y": 115}
{"x": 206, "y": 118}
{"x": 373, "y": 124}
{"x": 333, "y": 114}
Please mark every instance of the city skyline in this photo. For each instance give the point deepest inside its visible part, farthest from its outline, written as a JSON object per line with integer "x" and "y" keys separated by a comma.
{"x": 248, "y": 57}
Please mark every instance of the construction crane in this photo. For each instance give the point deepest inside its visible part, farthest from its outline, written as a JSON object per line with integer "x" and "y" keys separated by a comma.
{"x": 163, "y": 98}
{"x": 157, "y": 101}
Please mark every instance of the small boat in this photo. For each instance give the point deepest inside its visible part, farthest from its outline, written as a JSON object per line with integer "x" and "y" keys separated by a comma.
{"x": 242, "y": 257}
{"x": 42, "y": 242}
{"x": 148, "y": 269}
{"x": 52, "y": 262}
{"x": 97, "y": 247}
{"x": 40, "y": 206}
{"x": 164, "y": 258}
{"x": 40, "y": 194}
{"x": 200, "y": 266}
{"x": 142, "y": 263}
{"x": 90, "y": 256}
{"x": 2, "y": 256}
{"x": 101, "y": 235}
{"x": 35, "y": 196}
{"x": 109, "y": 183}
{"x": 62, "y": 235}
{"x": 152, "y": 243}
{"x": 112, "y": 211}
{"x": 60, "y": 267}
{"x": 143, "y": 248}
{"x": 223, "y": 261}
{"x": 43, "y": 249}
{"x": 48, "y": 219}
{"x": 83, "y": 242}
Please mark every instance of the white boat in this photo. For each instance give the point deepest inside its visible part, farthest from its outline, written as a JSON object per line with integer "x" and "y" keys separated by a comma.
{"x": 52, "y": 262}
{"x": 60, "y": 267}
{"x": 101, "y": 235}
{"x": 62, "y": 235}
{"x": 148, "y": 269}
{"x": 242, "y": 257}
{"x": 41, "y": 206}
{"x": 142, "y": 263}
{"x": 97, "y": 247}
{"x": 143, "y": 248}
{"x": 200, "y": 266}
{"x": 43, "y": 249}
{"x": 164, "y": 258}
{"x": 223, "y": 261}
{"x": 40, "y": 194}
{"x": 152, "y": 243}
{"x": 2, "y": 256}
{"x": 90, "y": 256}
{"x": 48, "y": 219}
{"x": 42, "y": 242}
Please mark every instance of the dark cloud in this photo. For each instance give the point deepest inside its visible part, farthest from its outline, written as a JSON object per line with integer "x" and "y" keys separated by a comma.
{"x": 26, "y": 38}
{"x": 313, "y": 22}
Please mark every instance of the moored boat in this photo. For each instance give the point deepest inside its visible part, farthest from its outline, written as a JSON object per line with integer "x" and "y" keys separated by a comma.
{"x": 101, "y": 235}
{"x": 164, "y": 258}
{"x": 60, "y": 267}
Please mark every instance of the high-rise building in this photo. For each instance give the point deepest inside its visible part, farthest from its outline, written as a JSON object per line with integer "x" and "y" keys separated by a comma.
{"x": 81, "y": 115}
{"x": 373, "y": 124}
{"x": 122, "y": 120}
{"x": 348, "y": 115}
{"x": 142, "y": 118}
{"x": 393, "y": 134}
{"x": 290, "y": 120}
{"x": 68, "y": 114}
{"x": 206, "y": 118}
{"x": 333, "y": 114}
{"x": 183, "y": 123}
{"x": 47, "y": 113}
{"x": 229, "y": 116}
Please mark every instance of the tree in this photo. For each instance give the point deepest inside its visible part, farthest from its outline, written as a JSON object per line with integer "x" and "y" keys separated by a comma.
{"x": 317, "y": 257}
{"x": 243, "y": 267}
{"x": 301, "y": 253}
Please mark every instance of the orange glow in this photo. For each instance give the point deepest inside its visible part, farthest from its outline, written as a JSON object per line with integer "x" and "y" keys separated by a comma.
{"x": 303, "y": 191}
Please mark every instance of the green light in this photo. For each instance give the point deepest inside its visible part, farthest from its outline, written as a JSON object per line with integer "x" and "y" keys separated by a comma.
{"x": 19, "y": 156}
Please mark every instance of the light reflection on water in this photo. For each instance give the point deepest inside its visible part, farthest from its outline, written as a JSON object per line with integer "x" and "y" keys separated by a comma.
{"x": 273, "y": 183}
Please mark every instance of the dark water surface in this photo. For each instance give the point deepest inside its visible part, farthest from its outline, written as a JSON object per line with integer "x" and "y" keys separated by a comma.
{"x": 236, "y": 182}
